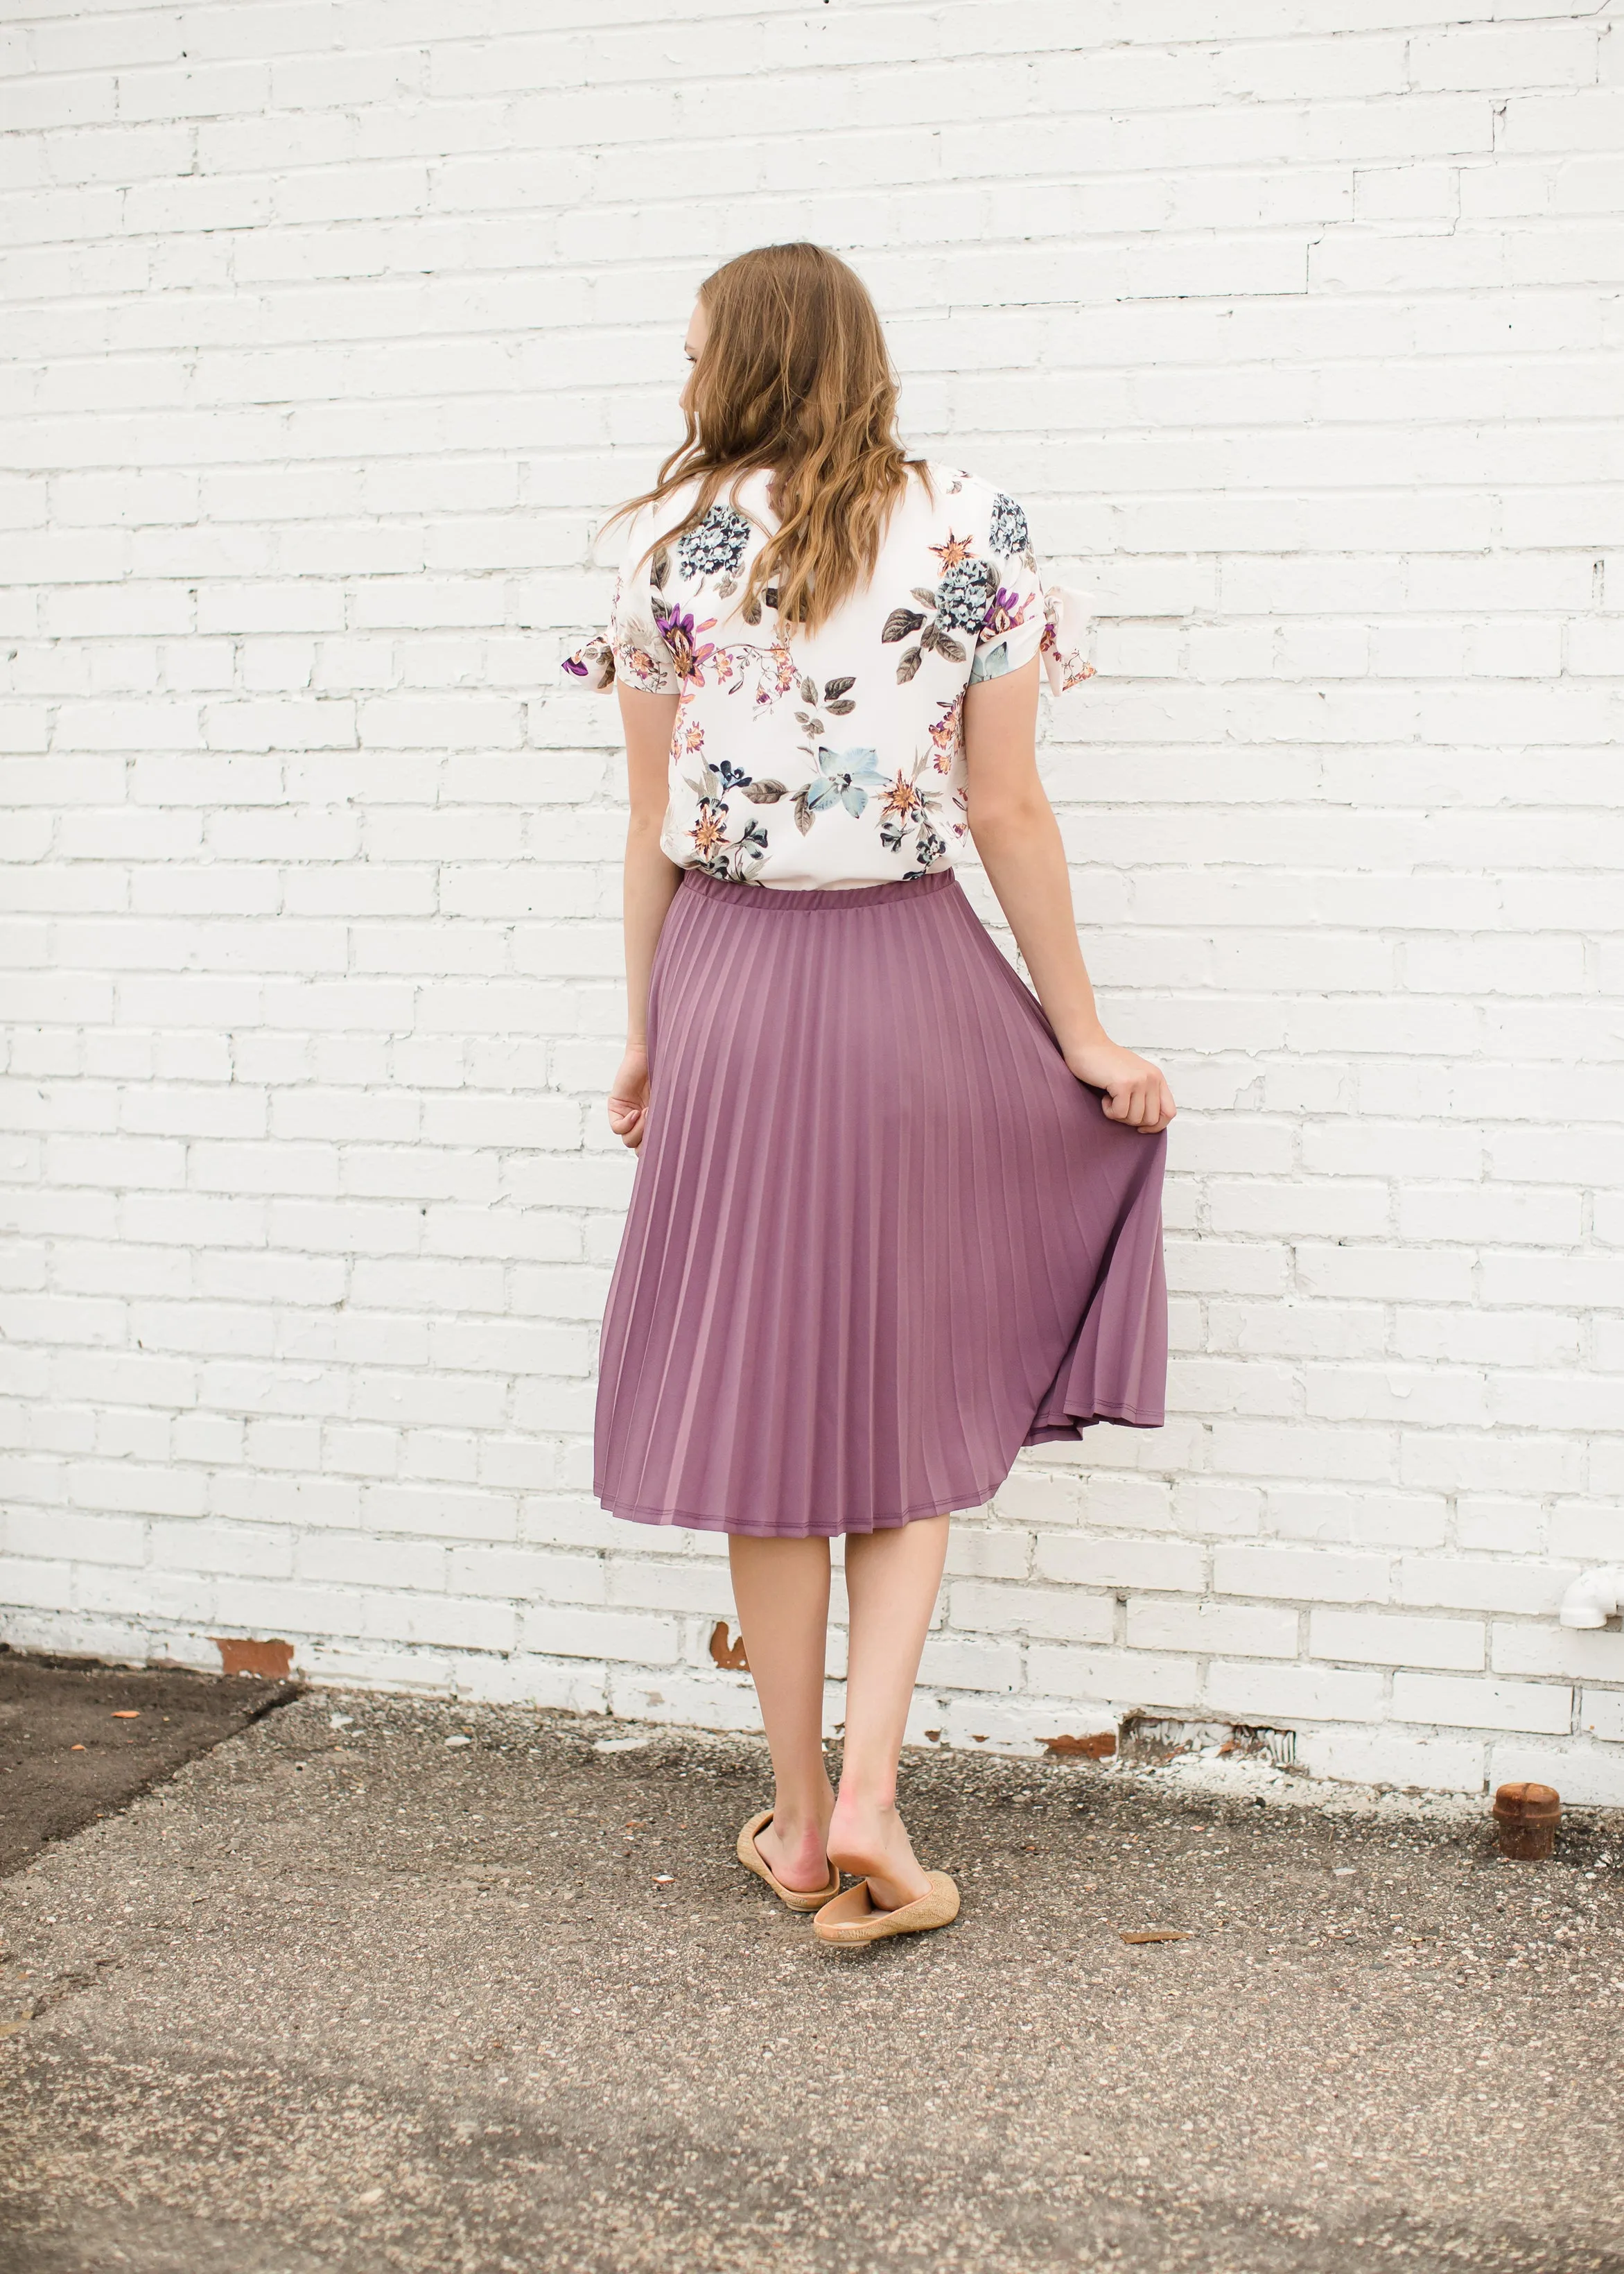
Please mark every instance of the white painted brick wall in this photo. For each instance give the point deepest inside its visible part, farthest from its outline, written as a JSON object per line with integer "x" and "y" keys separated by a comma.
{"x": 333, "y": 331}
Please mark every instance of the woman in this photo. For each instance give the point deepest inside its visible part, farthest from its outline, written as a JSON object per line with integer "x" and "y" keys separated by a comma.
{"x": 891, "y": 1220}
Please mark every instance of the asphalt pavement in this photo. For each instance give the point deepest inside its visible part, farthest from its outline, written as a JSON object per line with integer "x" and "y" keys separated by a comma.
{"x": 380, "y": 1984}
{"x": 79, "y": 1741}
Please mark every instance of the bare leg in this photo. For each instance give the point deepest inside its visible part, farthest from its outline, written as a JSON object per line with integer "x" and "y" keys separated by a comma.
{"x": 891, "y": 1579}
{"x": 781, "y": 1588}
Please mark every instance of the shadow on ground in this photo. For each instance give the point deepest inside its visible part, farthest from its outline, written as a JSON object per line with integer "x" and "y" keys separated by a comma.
{"x": 79, "y": 1740}
{"x": 379, "y": 1985}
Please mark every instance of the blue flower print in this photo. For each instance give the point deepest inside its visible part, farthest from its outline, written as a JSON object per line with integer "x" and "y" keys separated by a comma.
{"x": 964, "y": 595}
{"x": 715, "y": 545}
{"x": 1009, "y": 534}
{"x": 843, "y": 778}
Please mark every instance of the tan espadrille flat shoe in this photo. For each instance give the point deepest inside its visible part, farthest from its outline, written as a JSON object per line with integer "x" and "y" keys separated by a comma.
{"x": 852, "y": 1919}
{"x": 797, "y": 1899}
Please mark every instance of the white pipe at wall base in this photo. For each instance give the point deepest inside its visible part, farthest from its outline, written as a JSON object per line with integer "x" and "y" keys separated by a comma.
{"x": 1594, "y": 1598}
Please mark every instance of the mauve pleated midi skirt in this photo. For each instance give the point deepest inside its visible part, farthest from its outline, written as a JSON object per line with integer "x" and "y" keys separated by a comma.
{"x": 879, "y": 1237}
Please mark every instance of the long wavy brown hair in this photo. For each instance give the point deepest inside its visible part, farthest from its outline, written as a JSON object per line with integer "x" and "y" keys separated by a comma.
{"x": 793, "y": 377}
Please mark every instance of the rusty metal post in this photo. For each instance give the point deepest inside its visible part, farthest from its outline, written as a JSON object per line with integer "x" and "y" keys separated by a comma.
{"x": 1526, "y": 1817}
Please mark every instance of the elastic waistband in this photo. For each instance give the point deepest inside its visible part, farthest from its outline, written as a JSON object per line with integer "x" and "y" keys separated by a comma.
{"x": 815, "y": 901}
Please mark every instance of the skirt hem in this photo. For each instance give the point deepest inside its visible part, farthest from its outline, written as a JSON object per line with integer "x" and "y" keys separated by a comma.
{"x": 1046, "y": 1432}
{"x": 686, "y": 1521}
{"x": 960, "y": 1504}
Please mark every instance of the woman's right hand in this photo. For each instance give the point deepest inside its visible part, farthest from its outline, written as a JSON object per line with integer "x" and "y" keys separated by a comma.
{"x": 628, "y": 1096}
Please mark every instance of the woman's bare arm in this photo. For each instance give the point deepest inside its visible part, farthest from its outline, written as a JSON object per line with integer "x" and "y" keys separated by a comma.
{"x": 651, "y": 883}
{"x": 1019, "y": 839}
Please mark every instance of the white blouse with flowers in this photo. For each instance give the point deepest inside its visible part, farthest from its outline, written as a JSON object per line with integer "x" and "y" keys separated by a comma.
{"x": 834, "y": 759}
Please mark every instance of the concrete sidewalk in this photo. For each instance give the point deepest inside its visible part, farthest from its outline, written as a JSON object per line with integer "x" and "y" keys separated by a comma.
{"x": 428, "y": 1988}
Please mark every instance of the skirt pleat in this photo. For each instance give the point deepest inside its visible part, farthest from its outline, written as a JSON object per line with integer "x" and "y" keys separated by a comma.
{"x": 880, "y": 1237}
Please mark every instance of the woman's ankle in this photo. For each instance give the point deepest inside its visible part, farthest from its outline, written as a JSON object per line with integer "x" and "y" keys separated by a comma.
{"x": 802, "y": 1819}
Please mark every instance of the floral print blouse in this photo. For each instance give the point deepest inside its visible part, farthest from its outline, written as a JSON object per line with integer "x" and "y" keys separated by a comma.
{"x": 835, "y": 758}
